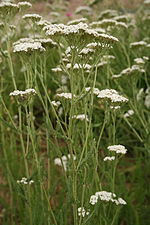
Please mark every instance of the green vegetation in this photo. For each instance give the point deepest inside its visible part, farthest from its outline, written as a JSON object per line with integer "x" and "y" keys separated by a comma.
{"x": 74, "y": 117}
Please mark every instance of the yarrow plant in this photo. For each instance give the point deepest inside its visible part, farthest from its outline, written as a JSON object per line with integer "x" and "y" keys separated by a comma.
{"x": 74, "y": 115}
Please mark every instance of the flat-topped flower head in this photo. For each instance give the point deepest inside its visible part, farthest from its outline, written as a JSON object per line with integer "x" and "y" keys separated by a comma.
{"x": 109, "y": 13}
{"x": 63, "y": 161}
{"x": 112, "y": 95}
{"x": 96, "y": 91}
{"x": 23, "y": 96}
{"x": 76, "y": 21}
{"x": 56, "y": 103}
{"x": 77, "y": 66}
{"x": 42, "y": 23}
{"x": 129, "y": 113}
{"x": 57, "y": 69}
{"x": 109, "y": 158}
{"x": 81, "y": 117}
{"x": 33, "y": 17}
{"x": 141, "y": 60}
{"x": 119, "y": 149}
{"x": 24, "y": 5}
{"x": 130, "y": 70}
{"x": 62, "y": 29}
{"x": 108, "y": 23}
{"x": 83, "y": 9}
{"x": 8, "y": 9}
{"x": 66, "y": 95}
{"x": 80, "y": 31}
{"x": 25, "y": 180}
{"x": 138, "y": 44}
{"x": 28, "y": 45}
{"x": 47, "y": 42}
{"x": 107, "y": 197}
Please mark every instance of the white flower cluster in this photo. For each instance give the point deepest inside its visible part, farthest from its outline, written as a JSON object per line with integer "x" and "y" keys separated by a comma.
{"x": 108, "y": 23}
{"x": 108, "y": 13}
{"x": 82, "y": 9}
{"x": 82, "y": 212}
{"x": 111, "y": 95}
{"x": 24, "y": 4}
{"x": 138, "y": 44}
{"x": 57, "y": 69}
{"x": 92, "y": 47}
{"x": 8, "y": 8}
{"x": 30, "y": 44}
{"x": 65, "y": 95}
{"x": 54, "y": 103}
{"x": 43, "y": 23}
{"x": 24, "y": 180}
{"x": 33, "y": 17}
{"x": 64, "y": 29}
{"x": 109, "y": 158}
{"x": 124, "y": 18}
{"x": 28, "y": 47}
{"x": 80, "y": 28}
{"x": 29, "y": 91}
{"x": 119, "y": 149}
{"x": 129, "y": 71}
{"x": 81, "y": 117}
{"x": 129, "y": 113}
{"x": 63, "y": 161}
{"x": 141, "y": 60}
{"x": 8, "y": 5}
{"x": 96, "y": 91}
{"x": 77, "y": 66}
{"x": 106, "y": 196}
{"x": 76, "y": 21}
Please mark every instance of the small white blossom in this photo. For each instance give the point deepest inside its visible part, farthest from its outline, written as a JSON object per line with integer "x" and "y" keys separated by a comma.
{"x": 76, "y": 21}
{"x": 28, "y": 47}
{"x": 33, "y": 17}
{"x": 24, "y": 4}
{"x": 65, "y": 95}
{"x": 24, "y": 180}
{"x": 63, "y": 161}
{"x": 107, "y": 197}
{"x": 82, "y": 212}
{"x": 129, "y": 71}
{"x": 54, "y": 103}
{"x": 82, "y": 9}
{"x": 128, "y": 113}
{"x": 119, "y": 149}
{"x": 29, "y": 91}
{"x": 93, "y": 199}
{"x": 56, "y": 70}
{"x": 138, "y": 44}
{"x": 96, "y": 91}
{"x": 109, "y": 158}
{"x": 81, "y": 117}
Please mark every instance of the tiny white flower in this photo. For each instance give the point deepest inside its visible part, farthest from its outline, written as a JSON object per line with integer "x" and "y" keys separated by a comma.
{"x": 128, "y": 113}
{"x": 117, "y": 148}
{"x": 93, "y": 199}
{"x": 65, "y": 95}
{"x": 109, "y": 158}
